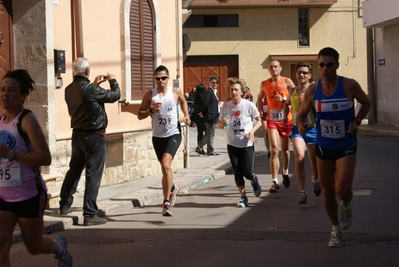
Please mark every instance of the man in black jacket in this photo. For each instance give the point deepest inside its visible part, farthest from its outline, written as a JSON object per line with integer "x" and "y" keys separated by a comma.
{"x": 89, "y": 121}
{"x": 210, "y": 113}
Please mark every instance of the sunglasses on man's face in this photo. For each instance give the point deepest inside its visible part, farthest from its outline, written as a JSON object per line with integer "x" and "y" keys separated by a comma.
{"x": 328, "y": 64}
{"x": 302, "y": 72}
{"x": 159, "y": 78}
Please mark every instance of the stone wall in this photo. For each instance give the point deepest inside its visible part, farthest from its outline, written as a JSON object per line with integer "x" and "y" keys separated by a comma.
{"x": 139, "y": 160}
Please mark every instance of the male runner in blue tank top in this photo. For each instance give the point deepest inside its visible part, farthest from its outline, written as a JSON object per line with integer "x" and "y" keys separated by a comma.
{"x": 336, "y": 141}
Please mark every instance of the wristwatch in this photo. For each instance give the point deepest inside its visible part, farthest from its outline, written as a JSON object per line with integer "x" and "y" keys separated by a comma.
{"x": 11, "y": 155}
{"x": 284, "y": 98}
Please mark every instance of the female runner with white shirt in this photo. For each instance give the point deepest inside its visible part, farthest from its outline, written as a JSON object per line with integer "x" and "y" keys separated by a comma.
{"x": 238, "y": 114}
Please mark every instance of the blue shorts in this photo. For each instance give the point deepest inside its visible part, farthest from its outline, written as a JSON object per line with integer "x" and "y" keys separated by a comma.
{"x": 309, "y": 137}
{"x": 334, "y": 154}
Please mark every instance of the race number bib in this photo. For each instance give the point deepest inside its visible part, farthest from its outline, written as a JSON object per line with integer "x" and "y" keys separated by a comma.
{"x": 332, "y": 129}
{"x": 10, "y": 173}
{"x": 164, "y": 117}
{"x": 164, "y": 120}
{"x": 276, "y": 114}
{"x": 235, "y": 124}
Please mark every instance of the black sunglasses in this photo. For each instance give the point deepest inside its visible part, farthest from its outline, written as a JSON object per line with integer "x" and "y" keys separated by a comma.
{"x": 328, "y": 64}
{"x": 163, "y": 78}
{"x": 302, "y": 72}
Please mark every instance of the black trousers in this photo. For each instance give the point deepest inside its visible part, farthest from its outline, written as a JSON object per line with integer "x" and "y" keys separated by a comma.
{"x": 242, "y": 161}
{"x": 88, "y": 151}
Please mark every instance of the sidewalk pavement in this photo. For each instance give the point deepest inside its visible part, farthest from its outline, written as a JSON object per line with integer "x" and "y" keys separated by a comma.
{"x": 143, "y": 191}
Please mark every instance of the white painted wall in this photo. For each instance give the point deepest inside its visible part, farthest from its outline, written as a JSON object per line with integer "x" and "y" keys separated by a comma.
{"x": 379, "y": 13}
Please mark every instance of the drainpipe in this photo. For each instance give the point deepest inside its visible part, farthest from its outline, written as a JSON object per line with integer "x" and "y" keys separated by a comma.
{"x": 77, "y": 32}
{"x": 354, "y": 18}
{"x": 178, "y": 37}
{"x": 176, "y": 81}
{"x": 372, "y": 116}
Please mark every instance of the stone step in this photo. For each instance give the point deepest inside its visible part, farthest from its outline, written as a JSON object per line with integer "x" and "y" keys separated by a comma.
{"x": 53, "y": 182}
{"x": 51, "y": 177}
{"x": 53, "y": 195}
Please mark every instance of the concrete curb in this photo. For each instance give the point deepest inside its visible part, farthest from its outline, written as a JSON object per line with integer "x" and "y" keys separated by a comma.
{"x": 385, "y": 132}
{"x": 54, "y": 223}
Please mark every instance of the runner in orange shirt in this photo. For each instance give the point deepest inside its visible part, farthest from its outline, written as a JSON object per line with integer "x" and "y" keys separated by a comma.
{"x": 276, "y": 90}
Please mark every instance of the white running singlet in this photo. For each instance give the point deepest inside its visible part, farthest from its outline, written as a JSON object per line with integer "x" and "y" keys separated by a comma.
{"x": 165, "y": 122}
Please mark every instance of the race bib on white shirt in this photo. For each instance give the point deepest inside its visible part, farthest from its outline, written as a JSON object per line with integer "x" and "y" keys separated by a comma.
{"x": 235, "y": 123}
{"x": 332, "y": 129}
{"x": 164, "y": 118}
{"x": 10, "y": 173}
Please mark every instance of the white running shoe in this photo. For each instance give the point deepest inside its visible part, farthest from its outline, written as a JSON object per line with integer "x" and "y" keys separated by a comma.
{"x": 336, "y": 238}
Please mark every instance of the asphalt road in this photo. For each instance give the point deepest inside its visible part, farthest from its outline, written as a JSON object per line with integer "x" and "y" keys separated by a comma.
{"x": 208, "y": 230}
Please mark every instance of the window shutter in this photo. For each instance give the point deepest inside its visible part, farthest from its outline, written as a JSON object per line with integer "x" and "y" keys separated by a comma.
{"x": 142, "y": 47}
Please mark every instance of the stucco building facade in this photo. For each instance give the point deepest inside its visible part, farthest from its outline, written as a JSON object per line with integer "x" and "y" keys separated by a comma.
{"x": 248, "y": 34}
{"x": 381, "y": 17}
{"x": 126, "y": 38}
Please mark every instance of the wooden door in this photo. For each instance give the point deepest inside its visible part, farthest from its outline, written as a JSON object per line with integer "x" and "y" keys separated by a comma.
{"x": 197, "y": 69}
{"x": 6, "y": 44}
{"x": 6, "y": 37}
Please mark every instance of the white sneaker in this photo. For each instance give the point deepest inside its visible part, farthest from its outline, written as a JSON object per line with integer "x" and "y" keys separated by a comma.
{"x": 166, "y": 209}
{"x": 243, "y": 202}
{"x": 173, "y": 195}
{"x": 336, "y": 238}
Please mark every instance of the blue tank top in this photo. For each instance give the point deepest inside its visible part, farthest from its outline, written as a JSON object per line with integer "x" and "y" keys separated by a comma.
{"x": 333, "y": 116}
